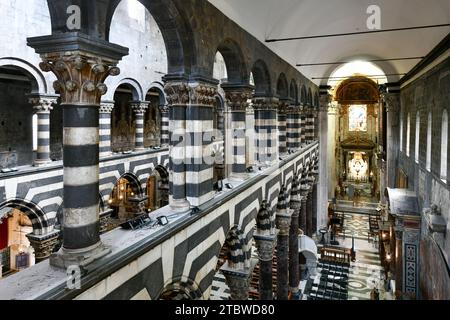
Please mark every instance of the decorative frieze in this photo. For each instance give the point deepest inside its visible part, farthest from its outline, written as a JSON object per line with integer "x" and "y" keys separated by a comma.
{"x": 43, "y": 245}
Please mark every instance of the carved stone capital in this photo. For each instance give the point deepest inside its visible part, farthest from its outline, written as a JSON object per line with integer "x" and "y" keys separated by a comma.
{"x": 106, "y": 107}
{"x": 265, "y": 103}
{"x": 283, "y": 220}
{"x": 238, "y": 99}
{"x": 265, "y": 246}
{"x": 164, "y": 109}
{"x": 203, "y": 94}
{"x": 43, "y": 245}
{"x": 42, "y": 103}
{"x": 177, "y": 93}
{"x": 139, "y": 107}
{"x": 80, "y": 75}
{"x": 238, "y": 280}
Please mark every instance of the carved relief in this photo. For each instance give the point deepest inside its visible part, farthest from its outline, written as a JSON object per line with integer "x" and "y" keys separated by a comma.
{"x": 238, "y": 100}
{"x": 42, "y": 104}
{"x": 177, "y": 93}
{"x": 80, "y": 76}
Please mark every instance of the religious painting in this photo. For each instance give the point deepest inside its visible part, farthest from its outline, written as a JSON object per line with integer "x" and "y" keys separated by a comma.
{"x": 357, "y": 115}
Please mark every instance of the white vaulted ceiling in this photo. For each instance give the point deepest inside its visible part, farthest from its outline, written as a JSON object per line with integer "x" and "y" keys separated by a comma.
{"x": 268, "y": 19}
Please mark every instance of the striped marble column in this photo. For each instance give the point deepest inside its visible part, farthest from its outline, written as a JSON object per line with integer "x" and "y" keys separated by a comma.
{"x": 294, "y": 271}
{"x": 139, "y": 109}
{"x": 282, "y": 128}
{"x": 283, "y": 220}
{"x": 43, "y": 105}
{"x": 199, "y": 141}
{"x": 165, "y": 137}
{"x": 304, "y": 191}
{"x": 177, "y": 92}
{"x": 237, "y": 97}
{"x": 293, "y": 129}
{"x": 266, "y": 129}
{"x": 106, "y": 108}
{"x": 80, "y": 83}
{"x": 309, "y": 136}
{"x": 304, "y": 129}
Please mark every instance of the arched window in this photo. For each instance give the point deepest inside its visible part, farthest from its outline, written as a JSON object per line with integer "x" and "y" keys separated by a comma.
{"x": 408, "y": 135}
{"x": 444, "y": 146}
{"x": 401, "y": 132}
{"x": 417, "y": 136}
{"x": 429, "y": 140}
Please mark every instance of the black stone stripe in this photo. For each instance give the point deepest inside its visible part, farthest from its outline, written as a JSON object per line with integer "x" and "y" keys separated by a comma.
{"x": 81, "y": 196}
{"x": 197, "y": 167}
{"x": 177, "y": 191}
{"x": 199, "y": 113}
{"x": 81, "y": 156}
{"x": 81, "y": 116}
{"x": 238, "y": 168}
{"x": 198, "y": 189}
{"x": 43, "y": 142}
{"x": 238, "y": 116}
{"x": 81, "y": 237}
{"x": 104, "y": 138}
{"x": 104, "y": 127}
{"x": 43, "y": 127}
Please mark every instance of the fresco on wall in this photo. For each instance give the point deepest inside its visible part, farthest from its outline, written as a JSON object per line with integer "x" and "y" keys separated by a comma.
{"x": 358, "y": 118}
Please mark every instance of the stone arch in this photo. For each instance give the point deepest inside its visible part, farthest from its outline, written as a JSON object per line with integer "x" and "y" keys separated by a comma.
{"x": 174, "y": 27}
{"x": 41, "y": 224}
{"x": 303, "y": 95}
{"x": 262, "y": 79}
{"x": 159, "y": 87}
{"x": 134, "y": 181}
{"x": 237, "y": 70}
{"x": 176, "y": 289}
{"x": 136, "y": 88}
{"x": 293, "y": 91}
{"x": 39, "y": 84}
{"x": 282, "y": 87}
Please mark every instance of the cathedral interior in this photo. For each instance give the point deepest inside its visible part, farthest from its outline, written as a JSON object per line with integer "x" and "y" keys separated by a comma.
{"x": 224, "y": 150}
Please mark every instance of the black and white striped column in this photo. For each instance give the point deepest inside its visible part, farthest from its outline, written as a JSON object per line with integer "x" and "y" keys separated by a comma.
{"x": 106, "y": 108}
{"x": 237, "y": 97}
{"x": 309, "y": 127}
{"x": 178, "y": 98}
{"x": 266, "y": 130}
{"x": 294, "y": 271}
{"x": 282, "y": 128}
{"x": 304, "y": 129}
{"x": 43, "y": 105}
{"x": 165, "y": 137}
{"x": 139, "y": 109}
{"x": 199, "y": 142}
{"x": 293, "y": 129}
{"x": 283, "y": 220}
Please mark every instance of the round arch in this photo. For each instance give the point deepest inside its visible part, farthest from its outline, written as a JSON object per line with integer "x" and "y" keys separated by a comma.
{"x": 175, "y": 30}
{"x": 38, "y": 82}
{"x": 136, "y": 89}
{"x": 262, "y": 78}
{"x": 41, "y": 225}
{"x": 159, "y": 87}
{"x": 134, "y": 181}
{"x": 236, "y": 66}
{"x": 282, "y": 87}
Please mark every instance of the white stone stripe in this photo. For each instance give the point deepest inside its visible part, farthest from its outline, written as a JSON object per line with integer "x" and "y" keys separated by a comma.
{"x": 80, "y": 217}
{"x": 81, "y": 176}
{"x": 104, "y": 121}
{"x": 105, "y": 132}
{"x": 43, "y": 122}
{"x": 80, "y": 136}
{"x": 199, "y": 176}
{"x": 44, "y": 134}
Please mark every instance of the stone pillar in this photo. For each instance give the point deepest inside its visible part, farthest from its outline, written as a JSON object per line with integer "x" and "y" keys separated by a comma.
{"x": 250, "y": 136}
{"x": 199, "y": 140}
{"x": 177, "y": 91}
{"x": 238, "y": 281}
{"x": 139, "y": 109}
{"x": 80, "y": 65}
{"x": 326, "y": 158}
{"x": 293, "y": 129}
{"x": 392, "y": 101}
{"x": 283, "y": 220}
{"x": 309, "y": 208}
{"x": 106, "y": 108}
{"x": 304, "y": 191}
{"x": 266, "y": 130}
{"x": 43, "y": 245}
{"x": 265, "y": 243}
{"x": 165, "y": 136}
{"x": 42, "y": 105}
{"x": 304, "y": 128}
{"x": 237, "y": 97}
{"x": 314, "y": 196}
{"x": 294, "y": 271}
{"x": 399, "y": 264}
{"x": 282, "y": 128}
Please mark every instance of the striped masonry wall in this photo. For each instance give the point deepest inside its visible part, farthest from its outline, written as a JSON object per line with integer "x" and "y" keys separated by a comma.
{"x": 238, "y": 126}
{"x": 282, "y": 131}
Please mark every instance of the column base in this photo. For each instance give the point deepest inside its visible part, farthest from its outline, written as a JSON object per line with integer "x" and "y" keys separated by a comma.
{"x": 66, "y": 258}
{"x": 239, "y": 177}
{"x": 180, "y": 205}
{"x": 41, "y": 163}
{"x": 139, "y": 149}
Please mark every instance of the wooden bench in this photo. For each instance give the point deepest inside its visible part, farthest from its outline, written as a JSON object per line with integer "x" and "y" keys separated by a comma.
{"x": 340, "y": 255}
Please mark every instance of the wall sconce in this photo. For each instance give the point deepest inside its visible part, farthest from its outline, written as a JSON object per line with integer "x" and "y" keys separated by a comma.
{"x": 388, "y": 257}
{"x": 110, "y": 201}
